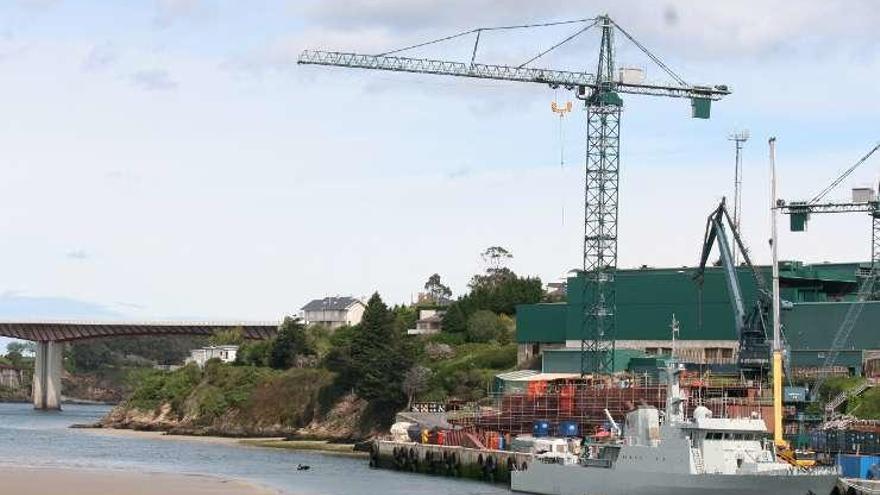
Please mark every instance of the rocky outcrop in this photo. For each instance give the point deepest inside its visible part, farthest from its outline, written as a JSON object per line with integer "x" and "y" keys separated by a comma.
{"x": 228, "y": 402}
{"x": 93, "y": 388}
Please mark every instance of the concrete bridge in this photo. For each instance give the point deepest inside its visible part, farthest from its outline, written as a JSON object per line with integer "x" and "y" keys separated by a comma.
{"x": 50, "y": 337}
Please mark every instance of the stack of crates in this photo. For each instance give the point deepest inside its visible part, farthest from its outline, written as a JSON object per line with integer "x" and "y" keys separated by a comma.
{"x": 845, "y": 441}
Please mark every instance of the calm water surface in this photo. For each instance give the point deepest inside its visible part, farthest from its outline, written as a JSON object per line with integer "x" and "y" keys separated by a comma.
{"x": 31, "y": 438}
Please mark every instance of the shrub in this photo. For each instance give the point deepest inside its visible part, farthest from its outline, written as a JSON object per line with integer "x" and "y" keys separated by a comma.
{"x": 484, "y": 326}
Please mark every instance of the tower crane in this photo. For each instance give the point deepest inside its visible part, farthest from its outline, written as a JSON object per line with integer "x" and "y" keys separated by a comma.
{"x": 600, "y": 92}
{"x": 799, "y": 214}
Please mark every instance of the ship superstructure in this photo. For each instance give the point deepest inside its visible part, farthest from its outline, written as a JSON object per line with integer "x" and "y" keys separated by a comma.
{"x": 663, "y": 452}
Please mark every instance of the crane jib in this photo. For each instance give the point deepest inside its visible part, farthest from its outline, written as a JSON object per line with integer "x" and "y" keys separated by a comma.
{"x": 551, "y": 77}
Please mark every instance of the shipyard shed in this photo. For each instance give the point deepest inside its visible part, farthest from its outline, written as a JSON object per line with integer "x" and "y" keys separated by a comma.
{"x": 816, "y": 299}
{"x": 569, "y": 360}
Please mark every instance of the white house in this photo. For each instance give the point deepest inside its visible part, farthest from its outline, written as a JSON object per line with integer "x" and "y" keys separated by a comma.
{"x": 225, "y": 353}
{"x": 430, "y": 322}
{"x": 333, "y": 312}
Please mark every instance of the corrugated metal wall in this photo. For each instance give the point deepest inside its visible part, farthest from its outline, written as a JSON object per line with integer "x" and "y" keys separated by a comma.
{"x": 646, "y": 300}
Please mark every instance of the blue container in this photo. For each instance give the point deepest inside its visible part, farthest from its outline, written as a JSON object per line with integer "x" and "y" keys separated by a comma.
{"x": 568, "y": 429}
{"x": 541, "y": 428}
{"x": 856, "y": 466}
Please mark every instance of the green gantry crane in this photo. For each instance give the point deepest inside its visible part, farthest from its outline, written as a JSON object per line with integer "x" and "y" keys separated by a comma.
{"x": 600, "y": 93}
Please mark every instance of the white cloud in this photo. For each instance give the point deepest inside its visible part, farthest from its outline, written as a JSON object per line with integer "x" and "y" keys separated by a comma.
{"x": 154, "y": 80}
{"x": 170, "y": 11}
{"x": 742, "y": 29}
{"x": 78, "y": 254}
{"x": 100, "y": 57}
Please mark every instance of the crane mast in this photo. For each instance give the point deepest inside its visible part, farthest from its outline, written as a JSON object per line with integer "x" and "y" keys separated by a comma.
{"x": 602, "y": 178}
{"x": 601, "y": 95}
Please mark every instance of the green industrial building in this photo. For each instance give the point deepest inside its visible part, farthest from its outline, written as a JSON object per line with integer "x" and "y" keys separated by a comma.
{"x": 815, "y": 300}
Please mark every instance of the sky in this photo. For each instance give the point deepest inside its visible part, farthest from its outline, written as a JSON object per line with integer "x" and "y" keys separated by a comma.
{"x": 169, "y": 159}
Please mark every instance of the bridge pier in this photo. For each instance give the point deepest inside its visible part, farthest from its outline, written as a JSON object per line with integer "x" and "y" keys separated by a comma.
{"x": 47, "y": 375}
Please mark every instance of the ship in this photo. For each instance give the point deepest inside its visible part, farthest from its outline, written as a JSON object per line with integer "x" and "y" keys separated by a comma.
{"x": 666, "y": 453}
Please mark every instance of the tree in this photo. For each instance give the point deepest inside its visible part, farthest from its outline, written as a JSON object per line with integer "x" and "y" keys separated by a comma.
{"x": 439, "y": 292}
{"x": 22, "y": 348}
{"x": 290, "y": 341}
{"x": 377, "y": 359}
{"x": 416, "y": 381}
{"x": 455, "y": 319}
{"x": 496, "y": 273}
{"x": 495, "y": 257}
{"x": 231, "y": 336}
{"x": 484, "y": 326}
{"x": 254, "y": 353}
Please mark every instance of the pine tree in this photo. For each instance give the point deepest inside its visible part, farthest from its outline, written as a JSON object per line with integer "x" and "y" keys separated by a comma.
{"x": 378, "y": 360}
{"x": 289, "y": 342}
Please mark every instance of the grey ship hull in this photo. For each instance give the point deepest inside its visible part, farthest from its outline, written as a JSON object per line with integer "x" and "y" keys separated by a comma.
{"x": 555, "y": 479}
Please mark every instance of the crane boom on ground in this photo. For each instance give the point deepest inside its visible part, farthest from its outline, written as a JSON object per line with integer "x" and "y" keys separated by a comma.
{"x": 600, "y": 93}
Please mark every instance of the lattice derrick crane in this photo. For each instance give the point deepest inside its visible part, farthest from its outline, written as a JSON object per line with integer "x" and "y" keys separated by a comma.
{"x": 799, "y": 213}
{"x": 600, "y": 93}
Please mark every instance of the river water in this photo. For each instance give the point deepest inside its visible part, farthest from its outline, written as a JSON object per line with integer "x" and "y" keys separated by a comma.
{"x": 44, "y": 439}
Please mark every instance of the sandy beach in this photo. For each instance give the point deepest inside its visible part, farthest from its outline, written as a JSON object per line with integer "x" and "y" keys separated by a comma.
{"x": 53, "y": 481}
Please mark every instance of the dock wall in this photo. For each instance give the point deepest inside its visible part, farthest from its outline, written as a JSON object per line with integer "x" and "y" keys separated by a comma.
{"x": 443, "y": 460}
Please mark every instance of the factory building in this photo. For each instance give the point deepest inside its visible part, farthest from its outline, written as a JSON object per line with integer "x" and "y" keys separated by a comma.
{"x": 815, "y": 300}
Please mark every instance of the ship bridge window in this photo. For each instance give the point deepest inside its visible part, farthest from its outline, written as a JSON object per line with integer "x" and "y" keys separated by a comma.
{"x": 714, "y": 436}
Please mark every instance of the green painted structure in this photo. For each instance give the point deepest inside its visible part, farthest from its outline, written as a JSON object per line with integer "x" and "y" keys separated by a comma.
{"x": 647, "y": 298}
{"x": 569, "y": 360}
{"x": 850, "y": 359}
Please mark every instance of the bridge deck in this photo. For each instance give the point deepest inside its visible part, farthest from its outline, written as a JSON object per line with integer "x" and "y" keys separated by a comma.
{"x": 70, "y": 330}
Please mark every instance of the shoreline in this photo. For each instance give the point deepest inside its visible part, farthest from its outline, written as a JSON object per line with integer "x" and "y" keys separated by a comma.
{"x": 52, "y": 481}
{"x": 319, "y": 446}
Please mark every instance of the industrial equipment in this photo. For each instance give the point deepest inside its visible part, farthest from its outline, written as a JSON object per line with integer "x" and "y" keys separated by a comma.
{"x": 600, "y": 93}
{"x": 751, "y": 325}
{"x": 864, "y": 200}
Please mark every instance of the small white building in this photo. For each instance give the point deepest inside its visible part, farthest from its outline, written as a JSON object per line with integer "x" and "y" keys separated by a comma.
{"x": 430, "y": 322}
{"x": 225, "y": 353}
{"x": 334, "y": 312}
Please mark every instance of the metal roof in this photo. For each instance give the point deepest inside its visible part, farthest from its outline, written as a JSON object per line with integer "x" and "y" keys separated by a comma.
{"x": 337, "y": 303}
{"x": 515, "y": 376}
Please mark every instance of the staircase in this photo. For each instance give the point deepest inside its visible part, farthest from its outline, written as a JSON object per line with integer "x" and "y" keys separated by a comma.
{"x": 699, "y": 465}
{"x": 844, "y": 396}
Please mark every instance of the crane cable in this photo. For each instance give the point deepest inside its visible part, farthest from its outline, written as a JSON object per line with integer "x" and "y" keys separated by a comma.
{"x": 479, "y": 30}
{"x": 650, "y": 55}
{"x": 561, "y": 110}
{"x": 844, "y": 175}
{"x": 557, "y": 45}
